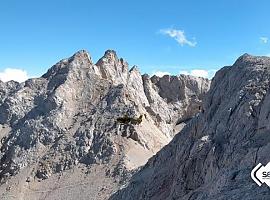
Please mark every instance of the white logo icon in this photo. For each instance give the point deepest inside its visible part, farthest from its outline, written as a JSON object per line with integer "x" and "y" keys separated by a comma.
{"x": 261, "y": 174}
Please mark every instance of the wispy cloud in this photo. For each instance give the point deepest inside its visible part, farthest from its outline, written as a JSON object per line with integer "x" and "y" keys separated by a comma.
{"x": 205, "y": 73}
{"x": 179, "y": 36}
{"x": 264, "y": 40}
{"x": 199, "y": 72}
{"x": 13, "y": 74}
{"x": 160, "y": 73}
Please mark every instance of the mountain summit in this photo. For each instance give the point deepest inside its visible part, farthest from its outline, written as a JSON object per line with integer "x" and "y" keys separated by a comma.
{"x": 82, "y": 129}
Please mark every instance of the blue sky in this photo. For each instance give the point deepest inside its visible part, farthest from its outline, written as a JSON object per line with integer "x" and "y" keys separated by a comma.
{"x": 167, "y": 36}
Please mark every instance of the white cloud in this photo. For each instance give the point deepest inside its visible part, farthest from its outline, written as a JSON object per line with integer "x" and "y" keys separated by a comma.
{"x": 199, "y": 73}
{"x": 193, "y": 72}
{"x": 184, "y": 72}
{"x": 13, "y": 74}
{"x": 264, "y": 40}
{"x": 160, "y": 73}
{"x": 179, "y": 36}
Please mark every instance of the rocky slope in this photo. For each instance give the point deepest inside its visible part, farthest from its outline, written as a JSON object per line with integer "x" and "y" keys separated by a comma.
{"x": 62, "y": 136}
{"x": 213, "y": 156}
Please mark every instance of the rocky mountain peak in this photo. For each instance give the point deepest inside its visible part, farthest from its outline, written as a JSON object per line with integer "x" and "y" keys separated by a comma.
{"x": 79, "y": 61}
{"x": 82, "y": 122}
{"x": 82, "y": 55}
{"x": 110, "y": 55}
{"x": 248, "y": 60}
{"x": 113, "y": 68}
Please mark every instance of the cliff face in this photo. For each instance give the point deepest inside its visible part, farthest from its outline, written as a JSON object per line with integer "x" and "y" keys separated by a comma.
{"x": 62, "y": 134}
{"x": 213, "y": 156}
{"x": 174, "y": 100}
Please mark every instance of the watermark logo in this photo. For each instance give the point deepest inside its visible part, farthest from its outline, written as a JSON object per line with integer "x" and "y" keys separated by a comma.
{"x": 261, "y": 174}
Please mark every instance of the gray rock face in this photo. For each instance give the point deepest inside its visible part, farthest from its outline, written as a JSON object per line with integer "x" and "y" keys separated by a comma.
{"x": 7, "y": 88}
{"x": 67, "y": 121}
{"x": 213, "y": 156}
{"x": 174, "y": 99}
{"x": 113, "y": 68}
